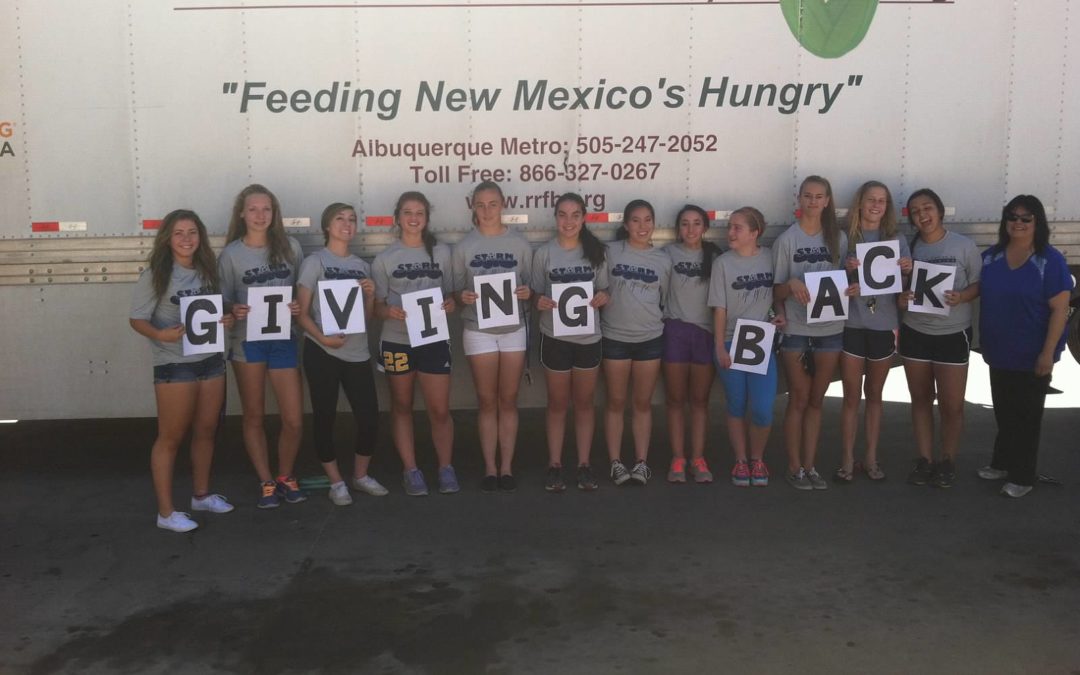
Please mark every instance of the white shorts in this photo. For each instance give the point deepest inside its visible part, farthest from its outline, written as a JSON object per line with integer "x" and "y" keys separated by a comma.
{"x": 478, "y": 342}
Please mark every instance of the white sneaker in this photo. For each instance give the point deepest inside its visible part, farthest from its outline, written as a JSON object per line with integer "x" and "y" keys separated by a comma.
{"x": 369, "y": 485}
{"x": 339, "y": 494}
{"x": 211, "y": 503}
{"x": 990, "y": 473}
{"x": 177, "y": 521}
{"x": 1015, "y": 491}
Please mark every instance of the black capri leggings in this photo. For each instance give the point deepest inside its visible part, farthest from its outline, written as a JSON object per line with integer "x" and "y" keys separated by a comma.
{"x": 324, "y": 373}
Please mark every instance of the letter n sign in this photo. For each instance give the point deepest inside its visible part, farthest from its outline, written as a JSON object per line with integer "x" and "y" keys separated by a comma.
{"x": 496, "y": 305}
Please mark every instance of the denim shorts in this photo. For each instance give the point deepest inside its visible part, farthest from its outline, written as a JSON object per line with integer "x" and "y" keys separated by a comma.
{"x": 687, "y": 343}
{"x": 805, "y": 343}
{"x": 274, "y": 353}
{"x": 648, "y": 350}
{"x": 197, "y": 371}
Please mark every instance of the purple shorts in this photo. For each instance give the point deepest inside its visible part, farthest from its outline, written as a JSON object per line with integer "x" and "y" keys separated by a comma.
{"x": 687, "y": 343}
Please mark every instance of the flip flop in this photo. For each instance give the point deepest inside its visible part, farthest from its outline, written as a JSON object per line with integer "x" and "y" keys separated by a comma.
{"x": 843, "y": 476}
{"x": 873, "y": 472}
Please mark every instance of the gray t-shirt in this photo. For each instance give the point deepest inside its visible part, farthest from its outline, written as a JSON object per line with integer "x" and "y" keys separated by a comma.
{"x": 402, "y": 269}
{"x": 553, "y": 264}
{"x": 166, "y": 312}
{"x": 638, "y": 281}
{"x": 884, "y": 316}
{"x": 960, "y": 252}
{"x": 742, "y": 285}
{"x": 687, "y": 296}
{"x": 794, "y": 254}
{"x": 479, "y": 255}
{"x": 325, "y": 265}
{"x": 241, "y": 267}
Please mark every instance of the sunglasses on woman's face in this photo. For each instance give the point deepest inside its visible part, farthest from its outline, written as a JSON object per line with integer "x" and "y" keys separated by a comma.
{"x": 1013, "y": 217}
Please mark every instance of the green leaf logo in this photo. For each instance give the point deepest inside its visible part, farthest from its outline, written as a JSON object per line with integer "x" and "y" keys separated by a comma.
{"x": 829, "y": 28}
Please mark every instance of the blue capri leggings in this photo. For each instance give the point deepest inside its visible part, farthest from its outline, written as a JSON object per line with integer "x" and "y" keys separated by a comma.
{"x": 742, "y": 388}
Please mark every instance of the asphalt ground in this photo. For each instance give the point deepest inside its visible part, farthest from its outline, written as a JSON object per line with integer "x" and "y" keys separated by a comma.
{"x": 861, "y": 578}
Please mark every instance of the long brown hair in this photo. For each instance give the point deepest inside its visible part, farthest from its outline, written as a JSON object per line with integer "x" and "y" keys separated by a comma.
{"x": 280, "y": 251}
{"x": 830, "y": 229}
{"x": 160, "y": 261}
{"x": 426, "y": 235}
{"x": 591, "y": 246}
{"x": 888, "y": 221}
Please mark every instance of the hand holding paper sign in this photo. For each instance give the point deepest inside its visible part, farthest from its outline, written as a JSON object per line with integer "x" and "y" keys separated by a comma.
{"x": 928, "y": 293}
{"x": 878, "y": 264}
{"x": 829, "y": 296}
{"x": 341, "y": 307}
{"x": 425, "y": 317}
{"x": 202, "y": 329}
{"x": 573, "y": 313}
{"x": 270, "y": 313}
{"x": 497, "y": 300}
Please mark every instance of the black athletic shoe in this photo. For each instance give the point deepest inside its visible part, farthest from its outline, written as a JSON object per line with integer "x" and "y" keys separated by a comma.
{"x": 507, "y": 483}
{"x": 585, "y": 479}
{"x": 944, "y": 474}
{"x": 489, "y": 484}
{"x": 554, "y": 481}
{"x": 920, "y": 472}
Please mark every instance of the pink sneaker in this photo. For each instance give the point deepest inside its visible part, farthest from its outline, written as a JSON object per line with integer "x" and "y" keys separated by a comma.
{"x": 759, "y": 473}
{"x": 677, "y": 472}
{"x": 700, "y": 471}
{"x": 740, "y": 474}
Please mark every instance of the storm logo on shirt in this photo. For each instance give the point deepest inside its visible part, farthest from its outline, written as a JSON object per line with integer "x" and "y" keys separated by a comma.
{"x": 689, "y": 269}
{"x": 487, "y": 261}
{"x": 414, "y": 271}
{"x": 941, "y": 260}
{"x": 634, "y": 273}
{"x": 202, "y": 290}
{"x": 812, "y": 255}
{"x": 569, "y": 275}
{"x": 749, "y": 282}
{"x": 341, "y": 273}
{"x": 260, "y": 275}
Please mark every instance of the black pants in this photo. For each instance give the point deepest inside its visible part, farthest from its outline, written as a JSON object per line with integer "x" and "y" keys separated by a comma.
{"x": 1019, "y": 398}
{"x": 324, "y": 374}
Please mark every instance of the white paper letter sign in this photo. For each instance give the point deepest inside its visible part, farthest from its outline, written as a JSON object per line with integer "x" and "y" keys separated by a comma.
{"x": 929, "y": 283}
{"x": 827, "y": 299}
{"x": 269, "y": 318}
{"x": 879, "y": 267}
{"x": 497, "y": 304}
{"x": 203, "y": 332}
{"x": 425, "y": 317}
{"x": 574, "y": 315}
{"x": 751, "y": 347}
{"x": 341, "y": 307}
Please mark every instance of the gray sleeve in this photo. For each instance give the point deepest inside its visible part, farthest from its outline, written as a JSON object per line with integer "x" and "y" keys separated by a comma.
{"x": 539, "y": 266}
{"x": 227, "y": 276}
{"x": 298, "y": 252}
{"x": 972, "y": 262}
{"x": 379, "y": 276}
{"x": 781, "y": 260}
{"x": 143, "y": 300}
{"x": 603, "y": 280}
{"x": 442, "y": 257}
{"x": 310, "y": 271}
{"x": 905, "y": 250}
{"x": 457, "y": 266}
{"x": 526, "y": 263}
{"x": 718, "y": 286}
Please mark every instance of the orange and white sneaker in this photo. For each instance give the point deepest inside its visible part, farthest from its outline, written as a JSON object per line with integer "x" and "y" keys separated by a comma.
{"x": 677, "y": 472}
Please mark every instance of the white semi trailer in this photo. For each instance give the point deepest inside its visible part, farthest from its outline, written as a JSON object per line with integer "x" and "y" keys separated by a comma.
{"x": 114, "y": 113}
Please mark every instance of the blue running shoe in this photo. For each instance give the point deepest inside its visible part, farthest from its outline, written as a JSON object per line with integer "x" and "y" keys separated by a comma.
{"x": 269, "y": 498}
{"x": 413, "y": 482}
{"x": 289, "y": 490}
{"x": 448, "y": 483}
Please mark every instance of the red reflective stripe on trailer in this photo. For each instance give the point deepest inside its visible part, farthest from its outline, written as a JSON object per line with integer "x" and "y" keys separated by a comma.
{"x": 711, "y": 214}
{"x": 597, "y": 218}
{"x": 46, "y": 226}
{"x": 379, "y": 221}
{"x": 151, "y": 224}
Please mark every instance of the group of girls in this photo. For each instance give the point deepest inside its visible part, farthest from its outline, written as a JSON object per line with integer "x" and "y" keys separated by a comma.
{"x": 659, "y": 312}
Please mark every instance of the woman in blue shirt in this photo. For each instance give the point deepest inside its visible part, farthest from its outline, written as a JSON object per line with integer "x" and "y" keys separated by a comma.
{"x": 1025, "y": 303}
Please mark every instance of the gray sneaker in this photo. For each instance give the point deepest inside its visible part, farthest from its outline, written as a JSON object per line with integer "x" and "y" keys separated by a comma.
{"x": 798, "y": 480}
{"x": 619, "y": 474}
{"x": 641, "y": 472}
{"x": 816, "y": 481}
{"x": 1015, "y": 491}
{"x": 990, "y": 473}
{"x": 414, "y": 484}
{"x": 369, "y": 485}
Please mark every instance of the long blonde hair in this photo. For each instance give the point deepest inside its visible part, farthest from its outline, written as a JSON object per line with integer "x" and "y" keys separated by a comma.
{"x": 280, "y": 251}
{"x": 888, "y": 221}
{"x": 830, "y": 229}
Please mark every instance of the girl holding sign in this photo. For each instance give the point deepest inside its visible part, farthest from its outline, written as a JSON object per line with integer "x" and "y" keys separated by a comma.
{"x": 415, "y": 262}
{"x": 335, "y": 359}
{"x": 741, "y": 287}
{"x": 571, "y": 362}
{"x": 259, "y": 254}
{"x": 810, "y": 350}
{"x": 688, "y": 343}
{"x": 633, "y": 328}
{"x": 870, "y": 331}
{"x": 935, "y": 346}
{"x": 497, "y": 353}
{"x": 190, "y": 389}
